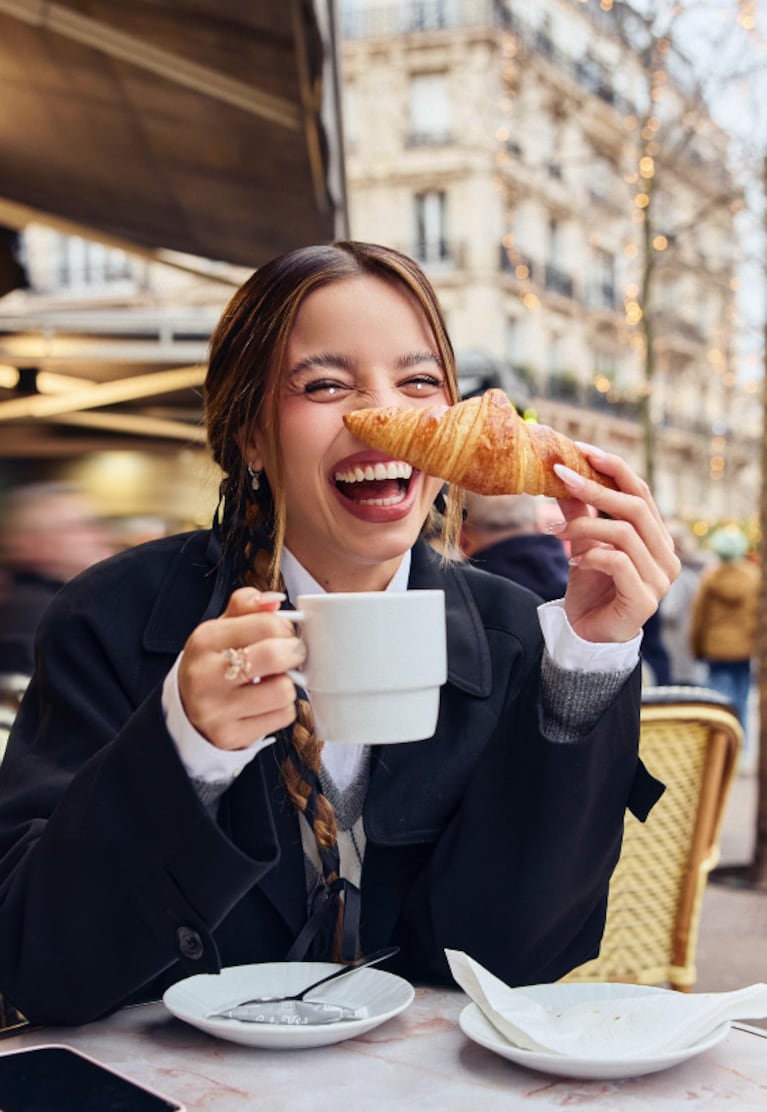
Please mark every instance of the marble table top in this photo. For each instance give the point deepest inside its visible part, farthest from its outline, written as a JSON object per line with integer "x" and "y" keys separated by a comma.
{"x": 419, "y": 1060}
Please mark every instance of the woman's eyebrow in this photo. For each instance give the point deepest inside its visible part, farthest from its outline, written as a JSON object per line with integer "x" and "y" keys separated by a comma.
{"x": 323, "y": 359}
{"x": 334, "y": 361}
{"x": 415, "y": 358}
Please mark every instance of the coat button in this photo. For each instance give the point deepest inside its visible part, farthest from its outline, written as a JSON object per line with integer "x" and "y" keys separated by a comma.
{"x": 189, "y": 943}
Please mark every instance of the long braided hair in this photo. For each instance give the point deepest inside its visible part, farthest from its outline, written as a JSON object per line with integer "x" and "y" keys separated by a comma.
{"x": 242, "y": 399}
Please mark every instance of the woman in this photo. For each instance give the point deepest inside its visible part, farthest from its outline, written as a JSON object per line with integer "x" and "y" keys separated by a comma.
{"x": 163, "y": 816}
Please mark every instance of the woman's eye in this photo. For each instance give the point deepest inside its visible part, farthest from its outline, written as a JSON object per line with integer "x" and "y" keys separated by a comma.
{"x": 324, "y": 388}
{"x": 422, "y": 385}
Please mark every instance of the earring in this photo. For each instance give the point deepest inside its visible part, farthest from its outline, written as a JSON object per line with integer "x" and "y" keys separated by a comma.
{"x": 255, "y": 478}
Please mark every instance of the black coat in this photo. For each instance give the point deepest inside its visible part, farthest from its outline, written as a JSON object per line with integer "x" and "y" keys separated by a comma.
{"x": 115, "y": 881}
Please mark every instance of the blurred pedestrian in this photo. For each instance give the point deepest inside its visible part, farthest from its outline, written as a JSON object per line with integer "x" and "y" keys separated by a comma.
{"x": 48, "y": 535}
{"x": 676, "y": 609}
{"x": 724, "y": 618}
{"x": 501, "y": 534}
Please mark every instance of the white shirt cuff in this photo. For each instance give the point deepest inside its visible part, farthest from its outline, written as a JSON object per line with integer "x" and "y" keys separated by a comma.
{"x": 201, "y": 760}
{"x": 571, "y": 652}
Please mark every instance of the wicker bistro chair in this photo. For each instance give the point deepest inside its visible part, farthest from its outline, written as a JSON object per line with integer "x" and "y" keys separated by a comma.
{"x": 690, "y": 738}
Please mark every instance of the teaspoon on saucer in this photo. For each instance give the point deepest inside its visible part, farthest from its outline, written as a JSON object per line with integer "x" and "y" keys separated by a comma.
{"x": 295, "y": 1009}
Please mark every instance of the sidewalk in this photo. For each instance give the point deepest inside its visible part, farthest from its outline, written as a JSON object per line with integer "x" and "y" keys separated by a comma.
{"x": 732, "y": 943}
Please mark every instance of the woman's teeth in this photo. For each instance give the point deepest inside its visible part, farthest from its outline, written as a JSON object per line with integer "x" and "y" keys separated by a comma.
{"x": 393, "y": 476}
{"x": 371, "y": 471}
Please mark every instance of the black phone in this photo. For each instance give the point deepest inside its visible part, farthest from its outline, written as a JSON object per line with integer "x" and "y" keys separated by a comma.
{"x": 55, "y": 1078}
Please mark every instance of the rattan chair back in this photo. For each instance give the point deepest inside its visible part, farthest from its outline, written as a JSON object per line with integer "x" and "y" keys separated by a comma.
{"x": 690, "y": 739}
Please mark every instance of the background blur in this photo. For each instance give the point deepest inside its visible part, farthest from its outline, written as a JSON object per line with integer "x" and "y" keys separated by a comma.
{"x": 581, "y": 179}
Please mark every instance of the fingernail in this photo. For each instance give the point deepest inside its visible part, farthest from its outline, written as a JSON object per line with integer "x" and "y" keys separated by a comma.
{"x": 273, "y": 596}
{"x": 574, "y": 561}
{"x": 568, "y": 476}
{"x": 590, "y": 449}
{"x": 555, "y": 527}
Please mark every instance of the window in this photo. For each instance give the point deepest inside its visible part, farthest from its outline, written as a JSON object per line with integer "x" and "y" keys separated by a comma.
{"x": 427, "y": 15}
{"x": 601, "y": 287}
{"x": 555, "y": 361}
{"x": 516, "y": 343}
{"x": 431, "y": 227}
{"x": 351, "y": 118}
{"x": 555, "y": 277}
{"x": 429, "y": 110}
{"x": 82, "y": 263}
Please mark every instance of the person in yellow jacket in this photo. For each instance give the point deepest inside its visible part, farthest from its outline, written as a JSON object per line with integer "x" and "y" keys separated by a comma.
{"x": 724, "y": 618}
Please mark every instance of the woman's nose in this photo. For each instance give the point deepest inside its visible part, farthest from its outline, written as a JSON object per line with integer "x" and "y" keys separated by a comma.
{"x": 382, "y": 394}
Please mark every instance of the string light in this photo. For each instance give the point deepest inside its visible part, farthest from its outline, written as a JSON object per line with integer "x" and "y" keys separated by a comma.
{"x": 747, "y": 14}
{"x": 9, "y": 376}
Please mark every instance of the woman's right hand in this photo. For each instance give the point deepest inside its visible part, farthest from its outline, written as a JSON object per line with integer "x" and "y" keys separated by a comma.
{"x": 232, "y": 713}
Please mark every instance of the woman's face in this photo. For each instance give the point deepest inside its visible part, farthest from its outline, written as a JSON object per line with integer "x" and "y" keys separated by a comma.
{"x": 351, "y": 511}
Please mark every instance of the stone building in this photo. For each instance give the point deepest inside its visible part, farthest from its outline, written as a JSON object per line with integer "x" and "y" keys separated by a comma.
{"x": 553, "y": 170}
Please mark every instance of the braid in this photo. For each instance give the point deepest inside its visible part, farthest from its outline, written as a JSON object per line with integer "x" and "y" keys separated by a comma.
{"x": 305, "y": 750}
{"x": 305, "y": 753}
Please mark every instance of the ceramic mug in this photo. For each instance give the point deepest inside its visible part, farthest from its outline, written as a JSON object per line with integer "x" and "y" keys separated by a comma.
{"x": 375, "y": 663}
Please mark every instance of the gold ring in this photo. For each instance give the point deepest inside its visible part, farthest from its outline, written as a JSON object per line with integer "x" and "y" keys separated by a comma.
{"x": 238, "y": 664}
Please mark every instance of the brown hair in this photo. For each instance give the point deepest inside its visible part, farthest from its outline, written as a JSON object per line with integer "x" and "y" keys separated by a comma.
{"x": 242, "y": 396}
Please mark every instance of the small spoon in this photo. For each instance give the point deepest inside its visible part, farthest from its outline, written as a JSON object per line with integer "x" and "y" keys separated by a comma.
{"x": 250, "y": 1010}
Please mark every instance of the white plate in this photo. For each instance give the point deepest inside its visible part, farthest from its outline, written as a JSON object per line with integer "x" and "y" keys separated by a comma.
{"x": 480, "y": 1030}
{"x": 382, "y": 994}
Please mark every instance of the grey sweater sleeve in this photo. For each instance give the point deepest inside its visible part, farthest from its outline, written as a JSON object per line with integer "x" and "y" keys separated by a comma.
{"x": 572, "y": 701}
{"x": 209, "y": 793}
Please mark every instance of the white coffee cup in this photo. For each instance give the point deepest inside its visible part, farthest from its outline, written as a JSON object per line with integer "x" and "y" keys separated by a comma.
{"x": 375, "y": 663}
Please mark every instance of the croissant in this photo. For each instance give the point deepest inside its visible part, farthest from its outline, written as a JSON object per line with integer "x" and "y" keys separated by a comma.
{"x": 481, "y": 444}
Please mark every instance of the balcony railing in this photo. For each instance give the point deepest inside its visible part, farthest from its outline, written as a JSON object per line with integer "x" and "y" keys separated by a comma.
{"x": 434, "y": 138}
{"x": 602, "y": 295}
{"x": 387, "y": 20}
{"x": 438, "y": 252}
{"x": 513, "y": 262}
{"x": 558, "y": 281}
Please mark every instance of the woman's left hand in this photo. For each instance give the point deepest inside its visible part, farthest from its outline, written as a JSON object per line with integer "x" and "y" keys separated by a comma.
{"x": 622, "y": 563}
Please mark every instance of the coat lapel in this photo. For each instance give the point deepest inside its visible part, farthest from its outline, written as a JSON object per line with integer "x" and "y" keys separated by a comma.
{"x": 415, "y": 786}
{"x": 468, "y": 653}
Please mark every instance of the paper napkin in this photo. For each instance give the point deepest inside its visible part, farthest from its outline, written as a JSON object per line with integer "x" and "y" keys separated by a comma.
{"x": 611, "y": 1023}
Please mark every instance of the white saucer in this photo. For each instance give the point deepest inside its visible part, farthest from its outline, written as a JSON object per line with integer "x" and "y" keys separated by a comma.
{"x": 474, "y": 1024}
{"x": 383, "y": 995}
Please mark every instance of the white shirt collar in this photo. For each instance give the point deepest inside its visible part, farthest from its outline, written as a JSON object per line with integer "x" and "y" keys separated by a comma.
{"x": 298, "y": 581}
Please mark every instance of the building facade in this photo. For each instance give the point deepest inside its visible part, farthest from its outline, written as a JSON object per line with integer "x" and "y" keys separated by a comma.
{"x": 551, "y": 167}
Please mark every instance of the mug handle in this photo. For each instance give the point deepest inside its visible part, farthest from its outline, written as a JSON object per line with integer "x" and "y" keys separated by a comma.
{"x": 298, "y": 678}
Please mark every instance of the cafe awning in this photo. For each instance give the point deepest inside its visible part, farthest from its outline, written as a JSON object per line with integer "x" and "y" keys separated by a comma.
{"x": 208, "y": 127}
{"x": 184, "y": 131}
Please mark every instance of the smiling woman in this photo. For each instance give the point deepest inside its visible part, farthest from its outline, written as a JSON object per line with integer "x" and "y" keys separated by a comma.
{"x": 166, "y": 807}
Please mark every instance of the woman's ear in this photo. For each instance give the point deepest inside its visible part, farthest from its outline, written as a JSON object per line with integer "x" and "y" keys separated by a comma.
{"x": 251, "y": 454}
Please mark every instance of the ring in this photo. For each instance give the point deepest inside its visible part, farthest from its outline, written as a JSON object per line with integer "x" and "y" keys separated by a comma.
{"x": 239, "y": 665}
